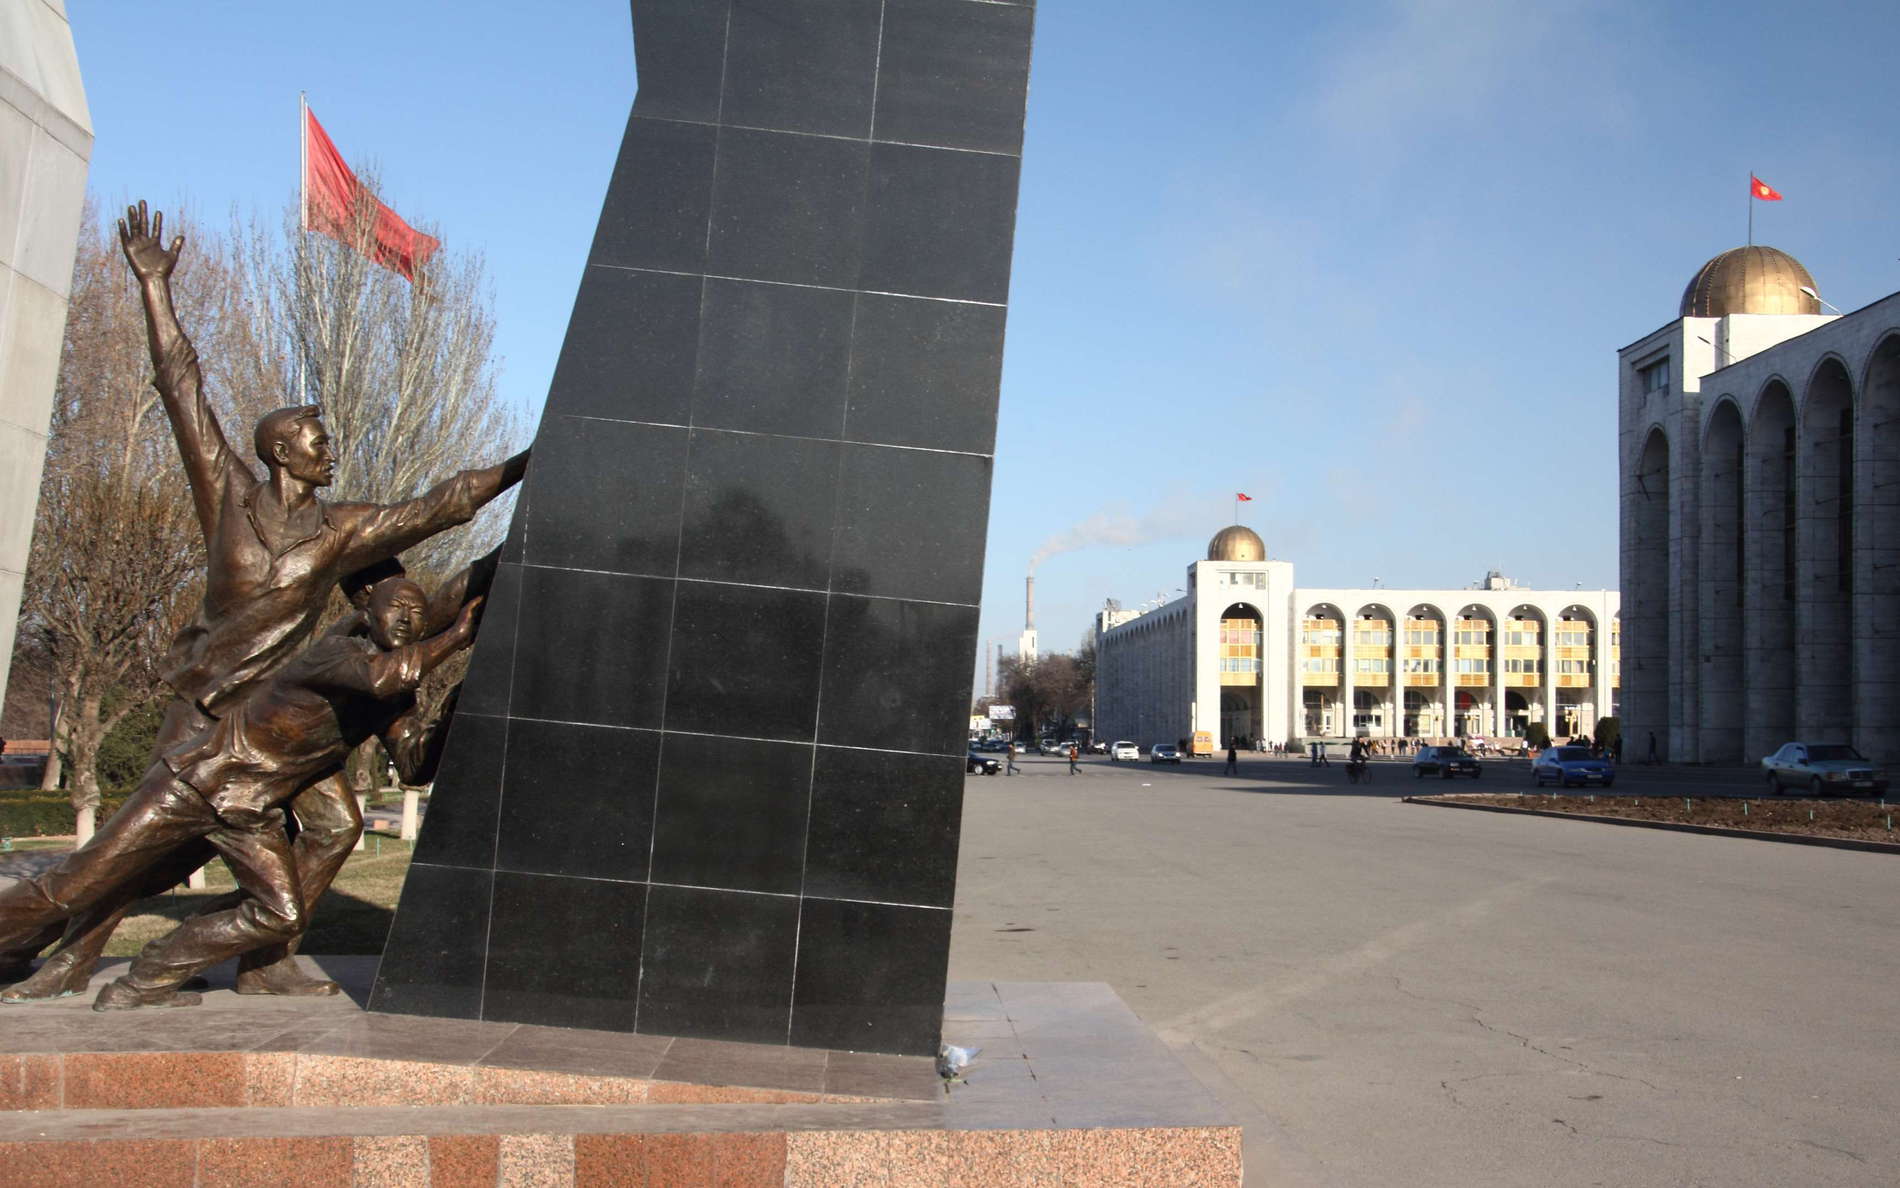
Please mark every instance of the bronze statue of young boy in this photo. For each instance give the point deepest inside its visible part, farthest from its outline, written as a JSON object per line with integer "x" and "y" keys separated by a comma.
{"x": 228, "y": 784}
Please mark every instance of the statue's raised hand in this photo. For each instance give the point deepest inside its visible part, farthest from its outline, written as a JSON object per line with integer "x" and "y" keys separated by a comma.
{"x": 143, "y": 239}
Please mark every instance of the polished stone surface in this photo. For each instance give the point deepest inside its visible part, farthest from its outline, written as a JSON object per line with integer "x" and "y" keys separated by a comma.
{"x": 705, "y": 780}
{"x": 1069, "y": 1088}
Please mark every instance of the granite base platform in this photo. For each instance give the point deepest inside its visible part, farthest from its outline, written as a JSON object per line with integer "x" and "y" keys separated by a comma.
{"x": 1069, "y": 1088}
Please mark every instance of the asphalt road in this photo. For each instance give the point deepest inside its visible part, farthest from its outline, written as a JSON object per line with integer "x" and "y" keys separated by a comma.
{"x": 1396, "y": 994}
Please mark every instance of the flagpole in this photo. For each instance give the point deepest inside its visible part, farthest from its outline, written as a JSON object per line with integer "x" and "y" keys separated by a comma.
{"x": 303, "y": 220}
{"x": 1751, "y": 208}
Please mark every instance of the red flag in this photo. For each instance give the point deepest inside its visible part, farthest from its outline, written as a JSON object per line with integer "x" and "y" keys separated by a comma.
{"x": 1762, "y": 189}
{"x": 330, "y": 205}
{"x": 1243, "y": 498}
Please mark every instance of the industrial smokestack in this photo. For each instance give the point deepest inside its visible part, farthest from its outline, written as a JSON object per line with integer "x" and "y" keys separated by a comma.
{"x": 1029, "y": 603}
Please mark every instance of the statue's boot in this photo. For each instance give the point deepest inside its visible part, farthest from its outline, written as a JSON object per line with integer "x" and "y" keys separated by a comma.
{"x": 282, "y": 977}
{"x": 16, "y": 963}
{"x": 121, "y": 995}
{"x": 64, "y": 974}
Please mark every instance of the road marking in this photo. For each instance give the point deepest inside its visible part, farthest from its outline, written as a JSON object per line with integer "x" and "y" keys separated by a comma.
{"x": 1316, "y": 976}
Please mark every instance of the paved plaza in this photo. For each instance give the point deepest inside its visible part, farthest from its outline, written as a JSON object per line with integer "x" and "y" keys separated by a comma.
{"x": 1392, "y": 994}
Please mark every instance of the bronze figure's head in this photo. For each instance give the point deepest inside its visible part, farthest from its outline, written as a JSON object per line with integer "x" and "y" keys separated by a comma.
{"x": 295, "y": 441}
{"x": 398, "y": 612}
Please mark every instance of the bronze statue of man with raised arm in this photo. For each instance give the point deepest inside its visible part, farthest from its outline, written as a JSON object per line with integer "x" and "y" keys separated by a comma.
{"x": 273, "y": 552}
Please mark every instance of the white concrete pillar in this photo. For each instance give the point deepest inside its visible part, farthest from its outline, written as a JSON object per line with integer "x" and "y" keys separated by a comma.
{"x": 1548, "y": 655}
{"x": 411, "y": 813}
{"x": 362, "y": 803}
{"x": 1497, "y": 714}
{"x": 196, "y": 881}
{"x": 1346, "y": 684}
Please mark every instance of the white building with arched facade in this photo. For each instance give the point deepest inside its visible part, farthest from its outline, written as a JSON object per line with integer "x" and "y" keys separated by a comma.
{"x": 1759, "y": 459}
{"x": 1245, "y": 654}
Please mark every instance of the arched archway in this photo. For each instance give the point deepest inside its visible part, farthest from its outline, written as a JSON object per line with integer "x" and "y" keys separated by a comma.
{"x": 1521, "y": 656}
{"x": 1648, "y": 610}
{"x": 1474, "y": 637}
{"x": 1877, "y": 556}
{"x": 1723, "y": 567}
{"x": 1322, "y": 633}
{"x": 1422, "y": 648}
{"x": 1373, "y": 712}
{"x": 1572, "y": 652}
{"x": 1768, "y": 593}
{"x": 1824, "y": 543}
{"x": 1242, "y": 704}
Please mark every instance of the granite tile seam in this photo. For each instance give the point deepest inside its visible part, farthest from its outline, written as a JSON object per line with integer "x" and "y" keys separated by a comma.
{"x": 501, "y": 791}
{"x": 794, "y": 742}
{"x": 818, "y": 702}
{"x": 349, "y": 1121}
{"x": 727, "y": 583}
{"x": 877, "y": 73}
{"x": 792, "y": 895}
{"x": 759, "y": 280}
{"x": 848, "y": 441}
{"x": 638, "y": 989}
{"x": 872, "y": 139}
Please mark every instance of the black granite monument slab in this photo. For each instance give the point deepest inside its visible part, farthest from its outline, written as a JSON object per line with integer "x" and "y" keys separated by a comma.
{"x": 707, "y": 771}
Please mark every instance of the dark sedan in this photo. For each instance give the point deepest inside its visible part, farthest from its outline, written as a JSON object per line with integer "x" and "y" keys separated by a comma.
{"x": 982, "y": 763}
{"x": 1445, "y": 762}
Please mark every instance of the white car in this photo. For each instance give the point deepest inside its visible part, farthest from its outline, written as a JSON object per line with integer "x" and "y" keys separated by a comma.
{"x": 1124, "y": 750}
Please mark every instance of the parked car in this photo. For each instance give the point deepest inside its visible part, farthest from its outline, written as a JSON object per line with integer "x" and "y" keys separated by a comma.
{"x": 1572, "y": 765}
{"x": 1098, "y": 747}
{"x": 1124, "y": 750}
{"x": 1445, "y": 762}
{"x": 1050, "y": 746}
{"x": 982, "y": 763}
{"x": 1822, "y": 768}
{"x": 1164, "y": 753}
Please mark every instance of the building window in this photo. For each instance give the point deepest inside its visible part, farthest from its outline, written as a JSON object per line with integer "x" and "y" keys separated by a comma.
{"x": 1372, "y": 637}
{"x": 1532, "y": 667}
{"x": 1468, "y": 664}
{"x": 1322, "y": 664}
{"x": 1426, "y": 665}
{"x": 1371, "y": 664}
{"x": 1655, "y": 377}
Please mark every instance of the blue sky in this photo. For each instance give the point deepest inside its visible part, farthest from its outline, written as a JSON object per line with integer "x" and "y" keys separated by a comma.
{"x": 1368, "y": 262}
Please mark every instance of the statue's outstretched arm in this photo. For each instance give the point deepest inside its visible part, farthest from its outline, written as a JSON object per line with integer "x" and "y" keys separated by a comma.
{"x": 381, "y": 531}
{"x": 209, "y": 462}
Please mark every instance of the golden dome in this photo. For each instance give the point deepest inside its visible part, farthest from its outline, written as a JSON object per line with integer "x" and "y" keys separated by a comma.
{"x": 1235, "y": 543}
{"x": 1749, "y": 280}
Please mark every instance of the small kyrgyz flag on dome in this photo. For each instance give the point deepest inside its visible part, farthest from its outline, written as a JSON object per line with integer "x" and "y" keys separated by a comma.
{"x": 1762, "y": 189}
{"x": 1243, "y": 498}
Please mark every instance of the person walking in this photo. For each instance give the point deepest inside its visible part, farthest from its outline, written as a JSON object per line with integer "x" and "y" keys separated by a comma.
{"x": 1074, "y": 754}
{"x": 1009, "y": 758}
{"x": 1233, "y": 759}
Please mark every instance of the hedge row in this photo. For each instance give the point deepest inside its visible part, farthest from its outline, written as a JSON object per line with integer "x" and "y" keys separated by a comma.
{"x": 46, "y": 814}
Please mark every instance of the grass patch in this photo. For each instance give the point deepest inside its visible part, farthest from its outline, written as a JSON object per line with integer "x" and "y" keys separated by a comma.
{"x": 1860, "y": 820}
{"x": 352, "y": 918}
